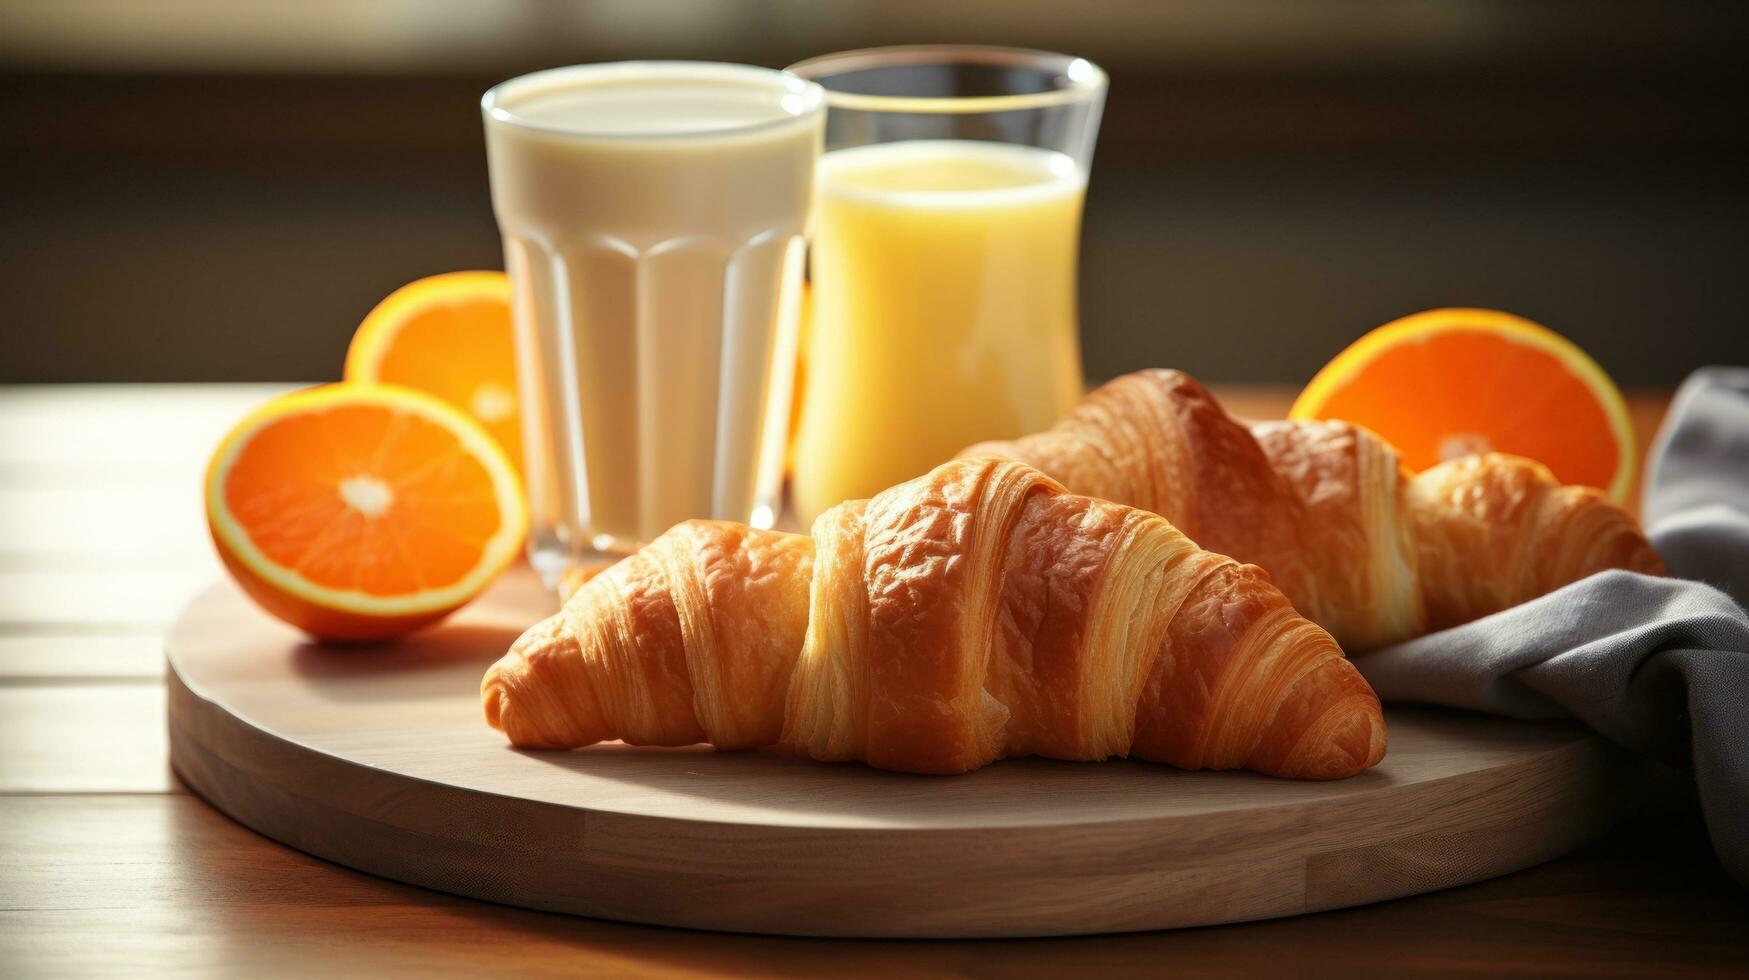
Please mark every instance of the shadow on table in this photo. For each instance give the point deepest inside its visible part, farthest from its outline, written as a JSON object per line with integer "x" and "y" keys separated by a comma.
{"x": 272, "y": 907}
{"x": 1024, "y": 790}
{"x": 440, "y": 648}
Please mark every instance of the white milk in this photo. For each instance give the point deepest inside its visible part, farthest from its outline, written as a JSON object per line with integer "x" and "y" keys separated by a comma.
{"x": 653, "y": 216}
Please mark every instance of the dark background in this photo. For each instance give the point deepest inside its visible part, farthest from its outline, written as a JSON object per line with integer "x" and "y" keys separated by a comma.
{"x": 204, "y": 190}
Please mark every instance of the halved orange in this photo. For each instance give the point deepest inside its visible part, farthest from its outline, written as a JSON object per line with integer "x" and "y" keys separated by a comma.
{"x": 360, "y": 512}
{"x": 448, "y": 335}
{"x": 1446, "y": 383}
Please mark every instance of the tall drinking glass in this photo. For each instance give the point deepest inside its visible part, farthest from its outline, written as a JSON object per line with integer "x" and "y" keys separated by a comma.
{"x": 943, "y": 264}
{"x": 654, "y": 217}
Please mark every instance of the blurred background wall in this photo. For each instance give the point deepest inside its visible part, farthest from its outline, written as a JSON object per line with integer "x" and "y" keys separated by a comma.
{"x": 219, "y": 189}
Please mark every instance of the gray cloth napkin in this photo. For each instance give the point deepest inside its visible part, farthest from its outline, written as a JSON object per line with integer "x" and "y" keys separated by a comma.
{"x": 1658, "y": 665}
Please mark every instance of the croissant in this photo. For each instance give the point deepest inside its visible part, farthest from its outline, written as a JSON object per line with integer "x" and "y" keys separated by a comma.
{"x": 976, "y": 612}
{"x": 1362, "y": 548}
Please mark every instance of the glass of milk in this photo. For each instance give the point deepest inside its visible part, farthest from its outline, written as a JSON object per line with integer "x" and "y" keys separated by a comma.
{"x": 654, "y": 217}
{"x": 943, "y": 264}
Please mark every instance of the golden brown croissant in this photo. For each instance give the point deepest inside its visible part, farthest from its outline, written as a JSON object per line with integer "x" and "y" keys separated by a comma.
{"x": 1363, "y": 549}
{"x": 977, "y": 612}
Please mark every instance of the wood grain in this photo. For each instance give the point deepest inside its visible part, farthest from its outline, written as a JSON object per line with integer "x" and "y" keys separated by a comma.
{"x": 160, "y": 522}
{"x": 105, "y": 598}
{"x": 122, "y": 885}
{"x": 83, "y": 738}
{"x": 380, "y": 760}
{"x": 106, "y": 885}
{"x": 93, "y": 435}
{"x": 35, "y": 658}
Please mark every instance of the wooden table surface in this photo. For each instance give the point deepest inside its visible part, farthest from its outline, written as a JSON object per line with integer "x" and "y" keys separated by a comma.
{"x": 108, "y": 866}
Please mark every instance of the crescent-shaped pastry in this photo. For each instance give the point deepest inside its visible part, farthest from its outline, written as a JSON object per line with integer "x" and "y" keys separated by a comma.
{"x": 1362, "y": 548}
{"x": 977, "y": 612}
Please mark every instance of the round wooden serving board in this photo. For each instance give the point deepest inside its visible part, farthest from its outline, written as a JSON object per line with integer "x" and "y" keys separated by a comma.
{"x": 380, "y": 759}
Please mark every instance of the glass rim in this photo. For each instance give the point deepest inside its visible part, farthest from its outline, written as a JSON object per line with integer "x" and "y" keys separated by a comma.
{"x": 1087, "y": 80}
{"x": 493, "y": 103}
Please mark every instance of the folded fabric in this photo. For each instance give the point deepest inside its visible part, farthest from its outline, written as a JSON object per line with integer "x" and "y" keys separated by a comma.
{"x": 1658, "y": 665}
{"x": 1697, "y": 482}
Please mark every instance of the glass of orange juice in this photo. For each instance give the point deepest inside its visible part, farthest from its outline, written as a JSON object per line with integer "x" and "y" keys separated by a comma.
{"x": 943, "y": 264}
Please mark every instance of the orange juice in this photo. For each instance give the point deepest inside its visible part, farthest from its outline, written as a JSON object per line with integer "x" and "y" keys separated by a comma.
{"x": 944, "y": 309}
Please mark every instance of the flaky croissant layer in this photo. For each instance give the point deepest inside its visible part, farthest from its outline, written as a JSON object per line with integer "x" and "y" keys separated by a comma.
{"x": 977, "y": 612}
{"x": 1362, "y": 548}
